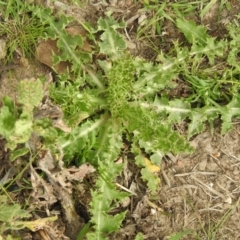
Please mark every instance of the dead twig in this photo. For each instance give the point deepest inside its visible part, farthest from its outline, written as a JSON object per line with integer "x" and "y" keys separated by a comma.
{"x": 190, "y": 173}
{"x": 208, "y": 188}
{"x": 125, "y": 189}
{"x": 216, "y": 160}
{"x": 166, "y": 178}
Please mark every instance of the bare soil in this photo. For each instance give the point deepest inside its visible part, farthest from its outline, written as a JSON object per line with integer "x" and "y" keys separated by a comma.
{"x": 199, "y": 192}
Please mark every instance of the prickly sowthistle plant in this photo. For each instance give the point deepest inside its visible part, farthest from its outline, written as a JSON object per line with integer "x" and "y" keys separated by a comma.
{"x": 122, "y": 98}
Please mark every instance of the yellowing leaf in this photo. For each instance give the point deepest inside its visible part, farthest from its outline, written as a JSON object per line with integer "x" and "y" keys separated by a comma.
{"x": 151, "y": 167}
{"x": 34, "y": 225}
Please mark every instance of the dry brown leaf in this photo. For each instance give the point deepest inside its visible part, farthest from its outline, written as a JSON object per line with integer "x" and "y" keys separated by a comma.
{"x": 49, "y": 110}
{"x": 34, "y": 142}
{"x": 78, "y": 174}
{"x": 73, "y": 31}
{"x": 55, "y": 230}
{"x": 60, "y": 179}
{"x": 47, "y": 161}
{"x": 65, "y": 176}
{"x": 44, "y": 54}
{"x": 41, "y": 189}
{"x": 47, "y": 48}
{"x": 74, "y": 221}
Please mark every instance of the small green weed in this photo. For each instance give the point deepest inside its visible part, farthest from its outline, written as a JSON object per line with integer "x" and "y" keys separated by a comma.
{"x": 16, "y": 123}
{"x": 20, "y": 29}
{"x": 108, "y": 107}
{"x": 210, "y": 230}
{"x": 10, "y": 214}
{"x": 12, "y": 217}
{"x": 158, "y": 12}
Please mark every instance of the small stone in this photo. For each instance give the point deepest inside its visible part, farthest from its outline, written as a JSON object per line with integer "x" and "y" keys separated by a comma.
{"x": 235, "y": 171}
{"x": 126, "y": 202}
{"x": 2, "y": 48}
{"x": 228, "y": 200}
{"x": 203, "y": 163}
{"x": 141, "y": 19}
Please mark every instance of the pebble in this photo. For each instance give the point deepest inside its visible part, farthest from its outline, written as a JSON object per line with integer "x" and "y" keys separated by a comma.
{"x": 2, "y": 48}
{"x": 235, "y": 171}
{"x": 203, "y": 163}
